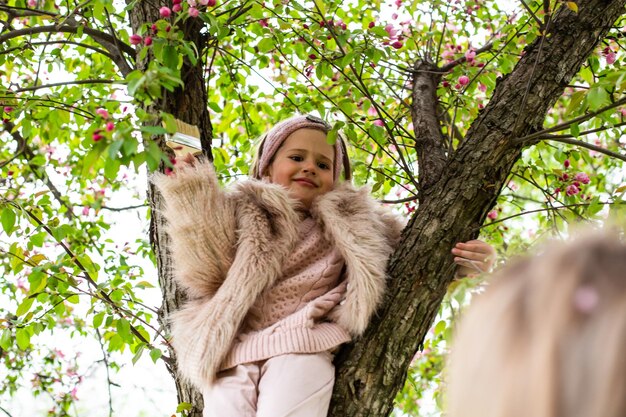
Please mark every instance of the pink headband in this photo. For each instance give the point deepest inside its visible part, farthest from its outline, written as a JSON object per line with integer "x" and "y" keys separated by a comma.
{"x": 277, "y": 135}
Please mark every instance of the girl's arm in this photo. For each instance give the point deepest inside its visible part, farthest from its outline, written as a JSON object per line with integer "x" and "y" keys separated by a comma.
{"x": 473, "y": 257}
{"x": 201, "y": 225}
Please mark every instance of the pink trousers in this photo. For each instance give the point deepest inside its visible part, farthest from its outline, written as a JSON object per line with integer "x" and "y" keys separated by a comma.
{"x": 293, "y": 385}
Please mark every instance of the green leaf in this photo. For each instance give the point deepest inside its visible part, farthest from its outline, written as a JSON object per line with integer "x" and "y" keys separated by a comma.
{"x": 155, "y": 354}
{"x": 138, "y": 354}
{"x": 97, "y": 319}
{"x": 265, "y": 45}
{"x": 170, "y": 57}
{"x": 597, "y": 98}
{"x": 123, "y": 329}
{"x": 6, "y": 340}
{"x": 154, "y": 130}
{"x": 184, "y": 407}
{"x": 24, "y": 306}
{"x": 37, "y": 280}
{"x": 38, "y": 239}
{"x": 22, "y": 336}
{"x": 440, "y": 327}
{"x": 8, "y": 220}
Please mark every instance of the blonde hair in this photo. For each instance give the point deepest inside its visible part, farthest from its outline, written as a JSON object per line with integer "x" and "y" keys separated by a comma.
{"x": 547, "y": 338}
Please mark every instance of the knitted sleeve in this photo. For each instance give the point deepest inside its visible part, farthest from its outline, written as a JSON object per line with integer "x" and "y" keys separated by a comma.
{"x": 201, "y": 225}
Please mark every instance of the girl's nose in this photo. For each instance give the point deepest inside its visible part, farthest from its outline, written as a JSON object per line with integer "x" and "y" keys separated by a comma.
{"x": 309, "y": 166}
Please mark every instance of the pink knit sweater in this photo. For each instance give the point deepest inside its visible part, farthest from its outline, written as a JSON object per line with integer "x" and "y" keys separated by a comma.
{"x": 290, "y": 316}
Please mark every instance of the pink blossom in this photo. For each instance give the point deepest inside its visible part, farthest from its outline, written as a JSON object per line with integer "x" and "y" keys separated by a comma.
{"x": 154, "y": 28}
{"x": 110, "y": 126}
{"x": 73, "y": 393}
{"x": 582, "y": 177}
{"x": 96, "y": 136}
{"x": 470, "y": 55}
{"x": 464, "y": 80}
{"x": 566, "y": 163}
{"x": 177, "y": 1}
{"x": 622, "y": 111}
{"x": 379, "y": 122}
{"x": 611, "y": 57}
{"x": 371, "y": 25}
{"x": 32, "y": 3}
{"x": 147, "y": 41}
{"x": 193, "y": 12}
{"x": 445, "y": 84}
{"x": 102, "y": 112}
{"x": 8, "y": 109}
{"x": 263, "y": 23}
{"x": 165, "y": 12}
{"x": 394, "y": 16}
{"x": 177, "y": 8}
{"x": 493, "y": 214}
{"x": 372, "y": 111}
{"x": 192, "y": 3}
{"x": 85, "y": 211}
{"x": 312, "y": 56}
{"x": 571, "y": 190}
{"x": 398, "y": 3}
{"x": 391, "y": 31}
{"x": 397, "y": 45}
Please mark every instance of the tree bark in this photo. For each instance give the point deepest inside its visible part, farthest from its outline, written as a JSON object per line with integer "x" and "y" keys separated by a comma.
{"x": 371, "y": 370}
{"x": 188, "y": 104}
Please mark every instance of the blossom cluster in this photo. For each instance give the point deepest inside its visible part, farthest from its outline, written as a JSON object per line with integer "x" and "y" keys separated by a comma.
{"x": 571, "y": 184}
{"x": 166, "y": 12}
{"x": 98, "y": 134}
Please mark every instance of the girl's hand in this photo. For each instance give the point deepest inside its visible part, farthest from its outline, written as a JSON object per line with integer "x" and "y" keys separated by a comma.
{"x": 187, "y": 159}
{"x": 473, "y": 257}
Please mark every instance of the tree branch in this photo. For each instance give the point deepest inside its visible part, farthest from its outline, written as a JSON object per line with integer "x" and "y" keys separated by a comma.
{"x": 553, "y": 208}
{"x": 567, "y": 124}
{"x": 104, "y": 39}
{"x": 76, "y": 82}
{"x": 449, "y": 66}
{"x": 84, "y": 45}
{"x": 576, "y": 142}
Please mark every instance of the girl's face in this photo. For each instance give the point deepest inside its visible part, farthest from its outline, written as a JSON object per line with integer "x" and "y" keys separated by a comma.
{"x": 304, "y": 165}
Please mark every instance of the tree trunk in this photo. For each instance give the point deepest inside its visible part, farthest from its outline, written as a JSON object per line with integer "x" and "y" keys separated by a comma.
{"x": 188, "y": 104}
{"x": 371, "y": 370}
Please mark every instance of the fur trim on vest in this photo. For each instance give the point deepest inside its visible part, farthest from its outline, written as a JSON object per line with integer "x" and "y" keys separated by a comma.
{"x": 229, "y": 246}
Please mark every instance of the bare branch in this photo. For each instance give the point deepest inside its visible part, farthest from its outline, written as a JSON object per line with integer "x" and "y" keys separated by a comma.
{"x": 553, "y": 208}
{"x": 576, "y": 142}
{"x": 84, "y": 45}
{"x": 532, "y": 14}
{"x": 124, "y": 208}
{"x": 25, "y": 12}
{"x": 567, "y": 124}
{"x": 104, "y": 39}
{"x": 76, "y": 82}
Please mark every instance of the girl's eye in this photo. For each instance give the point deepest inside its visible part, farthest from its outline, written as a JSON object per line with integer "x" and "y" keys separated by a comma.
{"x": 296, "y": 158}
{"x": 323, "y": 165}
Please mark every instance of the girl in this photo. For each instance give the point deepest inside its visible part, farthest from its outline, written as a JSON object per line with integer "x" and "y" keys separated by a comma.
{"x": 547, "y": 338}
{"x": 279, "y": 271}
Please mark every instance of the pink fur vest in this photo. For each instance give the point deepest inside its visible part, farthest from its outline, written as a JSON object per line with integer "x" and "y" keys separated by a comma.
{"x": 228, "y": 246}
